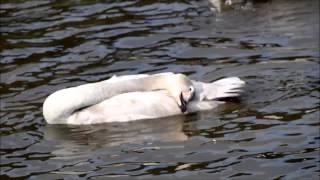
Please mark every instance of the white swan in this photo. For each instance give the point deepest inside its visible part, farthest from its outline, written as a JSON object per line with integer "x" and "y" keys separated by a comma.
{"x": 61, "y": 105}
{"x": 136, "y": 103}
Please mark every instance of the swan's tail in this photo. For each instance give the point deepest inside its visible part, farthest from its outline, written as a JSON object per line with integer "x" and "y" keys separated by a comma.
{"x": 224, "y": 88}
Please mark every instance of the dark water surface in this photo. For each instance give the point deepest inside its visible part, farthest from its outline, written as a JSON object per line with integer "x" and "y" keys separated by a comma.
{"x": 272, "y": 132}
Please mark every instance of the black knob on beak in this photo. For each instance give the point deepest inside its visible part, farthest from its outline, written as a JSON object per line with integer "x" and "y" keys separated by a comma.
{"x": 183, "y": 105}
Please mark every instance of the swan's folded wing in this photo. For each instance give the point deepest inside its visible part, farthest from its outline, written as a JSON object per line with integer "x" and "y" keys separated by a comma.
{"x": 128, "y": 107}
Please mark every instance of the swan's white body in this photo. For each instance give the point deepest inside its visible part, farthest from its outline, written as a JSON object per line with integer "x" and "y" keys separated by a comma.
{"x": 130, "y": 106}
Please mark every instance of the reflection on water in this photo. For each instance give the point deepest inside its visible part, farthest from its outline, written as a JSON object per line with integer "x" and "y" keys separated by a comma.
{"x": 271, "y": 132}
{"x": 114, "y": 134}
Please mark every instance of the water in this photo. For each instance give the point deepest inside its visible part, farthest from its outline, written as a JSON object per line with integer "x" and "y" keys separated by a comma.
{"x": 272, "y": 132}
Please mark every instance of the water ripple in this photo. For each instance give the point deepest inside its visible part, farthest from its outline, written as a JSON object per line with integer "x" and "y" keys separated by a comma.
{"x": 271, "y": 132}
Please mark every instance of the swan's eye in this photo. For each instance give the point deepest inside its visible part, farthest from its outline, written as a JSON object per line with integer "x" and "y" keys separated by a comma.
{"x": 190, "y": 88}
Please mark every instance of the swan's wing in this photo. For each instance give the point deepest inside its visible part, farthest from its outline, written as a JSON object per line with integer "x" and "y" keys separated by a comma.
{"x": 226, "y": 87}
{"x": 128, "y": 107}
{"x": 136, "y": 106}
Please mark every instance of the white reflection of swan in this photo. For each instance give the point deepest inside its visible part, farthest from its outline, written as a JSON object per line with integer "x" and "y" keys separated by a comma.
{"x": 80, "y": 139}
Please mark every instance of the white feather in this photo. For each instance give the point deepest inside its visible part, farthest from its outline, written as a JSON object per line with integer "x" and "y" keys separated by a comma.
{"x": 226, "y": 87}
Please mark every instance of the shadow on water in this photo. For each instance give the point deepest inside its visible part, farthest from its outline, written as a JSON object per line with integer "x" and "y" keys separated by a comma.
{"x": 272, "y": 131}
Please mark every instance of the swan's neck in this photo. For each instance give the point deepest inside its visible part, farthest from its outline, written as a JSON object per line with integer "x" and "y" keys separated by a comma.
{"x": 149, "y": 83}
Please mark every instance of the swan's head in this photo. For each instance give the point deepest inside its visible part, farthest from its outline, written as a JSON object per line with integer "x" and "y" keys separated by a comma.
{"x": 182, "y": 90}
